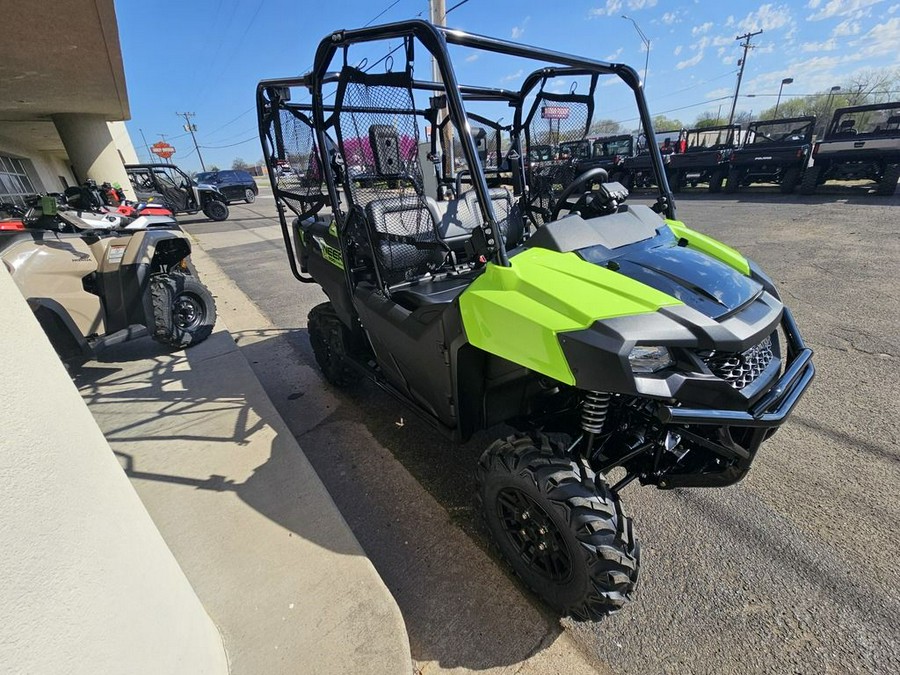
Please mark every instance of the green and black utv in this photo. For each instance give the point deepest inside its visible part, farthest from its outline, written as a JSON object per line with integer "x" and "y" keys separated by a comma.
{"x": 609, "y": 335}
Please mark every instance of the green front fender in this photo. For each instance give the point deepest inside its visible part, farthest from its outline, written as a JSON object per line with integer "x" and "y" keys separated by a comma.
{"x": 517, "y": 312}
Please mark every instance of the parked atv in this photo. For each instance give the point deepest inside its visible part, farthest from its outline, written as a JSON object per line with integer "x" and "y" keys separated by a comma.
{"x": 168, "y": 184}
{"x": 93, "y": 285}
{"x": 774, "y": 151}
{"x": 609, "y": 335}
{"x": 862, "y": 143}
{"x": 706, "y": 158}
{"x": 637, "y": 169}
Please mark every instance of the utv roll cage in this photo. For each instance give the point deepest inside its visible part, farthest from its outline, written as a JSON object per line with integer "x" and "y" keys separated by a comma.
{"x": 300, "y": 133}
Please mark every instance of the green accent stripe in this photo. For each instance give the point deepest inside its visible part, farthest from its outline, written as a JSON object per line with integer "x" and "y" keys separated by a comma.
{"x": 516, "y": 312}
{"x": 710, "y": 246}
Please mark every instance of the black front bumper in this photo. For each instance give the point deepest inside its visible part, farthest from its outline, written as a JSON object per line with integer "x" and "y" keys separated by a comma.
{"x": 773, "y": 407}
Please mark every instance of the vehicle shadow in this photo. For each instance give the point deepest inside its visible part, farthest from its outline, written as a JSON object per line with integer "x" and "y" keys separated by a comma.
{"x": 371, "y": 456}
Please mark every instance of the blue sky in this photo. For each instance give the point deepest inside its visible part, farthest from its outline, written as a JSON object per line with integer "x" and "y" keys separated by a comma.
{"x": 206, "y": 56}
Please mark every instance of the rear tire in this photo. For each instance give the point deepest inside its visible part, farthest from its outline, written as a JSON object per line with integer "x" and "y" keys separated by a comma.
{"x": 810, "y": 180}
{"x": 734, "y": 180}
{"x": 566, "y": 537}
{"x": 676, "y": 180}
{"x": 215, "y": 210}
{"x": 888, "y": 183}
{"x": 249, "y": 196}
{"x": 716, "y": 180}
{"x": 184, "y": 311}
{"x": 331, "y": 344}
{"x": 790, "y": 179}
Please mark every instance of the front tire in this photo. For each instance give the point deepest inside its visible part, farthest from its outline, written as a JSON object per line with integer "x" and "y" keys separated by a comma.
{"x": 810, "y": 180}
{"x": 215, "y": 210}
{"x": 184, "y": 311}
{"x": 249, "y": 196}
{"x": 564, "y": 535}
{"x": 790, "y": 179}
{"x": 733, "y": 182}
{"x": 331, "y": 344}
{"x": 888, "y": 183}
{"x": 716, "y": 180}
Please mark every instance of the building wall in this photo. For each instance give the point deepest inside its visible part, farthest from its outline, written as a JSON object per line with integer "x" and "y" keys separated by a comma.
{"x": 48, "y": 165}
{"x": 89, "y": 585}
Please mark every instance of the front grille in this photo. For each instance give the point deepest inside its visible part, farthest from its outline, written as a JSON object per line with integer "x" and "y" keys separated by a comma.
{"x": 740, "y": 368}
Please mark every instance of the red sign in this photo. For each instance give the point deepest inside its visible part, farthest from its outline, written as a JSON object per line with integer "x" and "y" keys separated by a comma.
{"x": 162, "y": 149}
{"x": 555, "y": 112}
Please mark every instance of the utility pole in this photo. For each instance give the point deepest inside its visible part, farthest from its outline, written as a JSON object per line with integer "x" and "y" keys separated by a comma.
{"x": 747, "y": 46}
{"x": 146, "y": 146}
{"x": 192, "y": 128}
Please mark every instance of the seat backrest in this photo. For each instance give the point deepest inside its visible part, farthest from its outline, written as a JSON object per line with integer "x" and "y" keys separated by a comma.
{"x": 509, "y": 215}
{"x": 405, "y": 239}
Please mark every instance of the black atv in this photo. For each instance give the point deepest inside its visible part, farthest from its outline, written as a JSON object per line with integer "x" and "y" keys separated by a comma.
{"x": 613, "y": 338}
{"x": 169, "y": 185}
{"x": 706, "y": 158}
{"x": 862, "y": 143}
{"x": 774, "y": 151}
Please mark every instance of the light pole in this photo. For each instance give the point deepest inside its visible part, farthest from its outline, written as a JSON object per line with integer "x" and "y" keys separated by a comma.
{"x": 787, "y": 80}
{"x": 646, "y": 42}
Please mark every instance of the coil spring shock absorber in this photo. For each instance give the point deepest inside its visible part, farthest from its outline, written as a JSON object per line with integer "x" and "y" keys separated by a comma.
{"x": 593, "y": 416}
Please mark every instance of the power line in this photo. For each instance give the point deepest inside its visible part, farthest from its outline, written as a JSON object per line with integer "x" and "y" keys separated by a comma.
{"x": 230, "y": 145}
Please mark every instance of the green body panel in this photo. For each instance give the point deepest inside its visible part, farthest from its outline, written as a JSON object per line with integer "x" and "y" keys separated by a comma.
{"x": 710, "y": 246}
{"x": 516, "y": 312}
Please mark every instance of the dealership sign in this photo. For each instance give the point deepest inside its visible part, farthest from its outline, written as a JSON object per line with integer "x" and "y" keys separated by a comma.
{"x": 555, "y": 112}
{"x": 162, "y": 149}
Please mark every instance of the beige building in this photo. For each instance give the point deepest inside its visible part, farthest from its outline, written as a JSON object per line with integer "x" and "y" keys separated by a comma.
{"x": 63, "y": 99}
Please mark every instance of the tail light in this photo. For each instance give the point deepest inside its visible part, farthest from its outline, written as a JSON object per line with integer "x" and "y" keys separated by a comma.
{"x": 815, "y": 150}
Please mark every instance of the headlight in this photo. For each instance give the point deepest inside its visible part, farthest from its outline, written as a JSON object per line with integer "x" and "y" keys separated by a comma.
{"x": 649, "y": 359}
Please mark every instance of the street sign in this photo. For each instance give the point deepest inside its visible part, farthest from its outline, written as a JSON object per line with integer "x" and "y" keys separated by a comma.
{"x": 555, "y": 112}
{"x": 162, "y": 149}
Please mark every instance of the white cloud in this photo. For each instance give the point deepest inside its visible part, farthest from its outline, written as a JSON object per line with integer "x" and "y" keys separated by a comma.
{"x": 669, "y": 18}
{"x": 893, "y": 8}
{"x": 812, "y": 4}
{"x": 846, "y": 27}
{"x": 678, "y": 50}
{"x": 472, "y": 57}
{"x": 519, "y": 31}
{"x": 883, "y": 38}
{"x": 721, "y": 41}
{"x": 719, "y": 93}
{"x": 612, "y": 57}
{"x": 514, "y": 76}
{"x": 699, "y": 47}
{"x": 767, "y": 17}
{"x": 702, "y": 28}
{"x": 612, "y": 7}
{"x": 827, "y": 46}
{"x": 841, "y": 8}
{"x": 641, "y": 4}
{"x": 729, "y": 21}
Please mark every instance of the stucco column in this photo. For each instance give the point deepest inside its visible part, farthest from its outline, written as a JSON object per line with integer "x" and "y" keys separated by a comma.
{"x": 89, "y": 585}
{"x": 92, "y": 149}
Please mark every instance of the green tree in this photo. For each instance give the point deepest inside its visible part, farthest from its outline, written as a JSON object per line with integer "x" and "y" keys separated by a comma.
{"x": 663, "y": 123}
{"x": 606, "y": 128}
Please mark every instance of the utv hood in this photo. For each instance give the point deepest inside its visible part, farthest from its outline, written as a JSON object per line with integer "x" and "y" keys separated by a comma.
{"x": 695, "y": 278}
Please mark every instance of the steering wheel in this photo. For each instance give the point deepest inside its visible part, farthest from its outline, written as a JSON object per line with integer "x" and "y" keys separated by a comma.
{"x": 586, "y": 198}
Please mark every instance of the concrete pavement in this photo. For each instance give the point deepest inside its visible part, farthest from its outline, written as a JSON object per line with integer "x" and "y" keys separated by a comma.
{"x": 261, "y": 541}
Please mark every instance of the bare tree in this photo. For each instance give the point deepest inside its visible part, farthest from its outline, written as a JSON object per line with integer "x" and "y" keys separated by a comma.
{"x": 239, "y": 164}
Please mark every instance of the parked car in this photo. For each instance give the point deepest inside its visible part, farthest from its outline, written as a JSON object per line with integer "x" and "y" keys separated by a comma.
{"x": 706, "y": 158}
{"x": 236, "y": 185}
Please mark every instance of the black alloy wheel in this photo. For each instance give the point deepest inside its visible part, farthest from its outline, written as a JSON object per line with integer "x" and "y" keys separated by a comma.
{"x": 184, "y": 311}
{"x": 249, "y": 195}
{"x": 558, "y": 525}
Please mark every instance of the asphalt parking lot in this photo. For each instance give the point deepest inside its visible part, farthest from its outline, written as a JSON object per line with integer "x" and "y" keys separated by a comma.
{"x": 793, "y": 570}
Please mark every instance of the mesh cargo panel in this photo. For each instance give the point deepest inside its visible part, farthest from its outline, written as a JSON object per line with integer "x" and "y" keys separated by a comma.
{"x": 304, "y": 180}
{"x": 553, "y": 120}
{"x": 378, "y": 135}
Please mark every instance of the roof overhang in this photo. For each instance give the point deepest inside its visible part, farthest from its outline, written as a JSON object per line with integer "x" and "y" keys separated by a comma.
{"x": 63, "y": 56}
